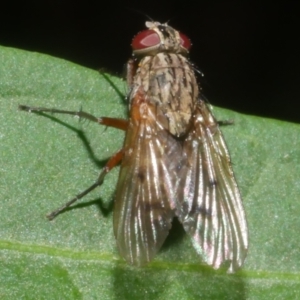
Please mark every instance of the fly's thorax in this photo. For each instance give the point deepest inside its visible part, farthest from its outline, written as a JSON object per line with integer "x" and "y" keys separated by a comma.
{"x": 169, "y": 84}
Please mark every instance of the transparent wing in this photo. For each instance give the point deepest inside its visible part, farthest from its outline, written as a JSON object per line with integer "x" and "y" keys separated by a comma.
{"x": 210, "y": 207}
{"x": 145, "y": 206}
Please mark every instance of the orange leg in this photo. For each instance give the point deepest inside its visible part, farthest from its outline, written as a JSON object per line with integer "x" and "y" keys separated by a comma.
{"x": 111, "y": 122}
{"x": 113, "y": 161}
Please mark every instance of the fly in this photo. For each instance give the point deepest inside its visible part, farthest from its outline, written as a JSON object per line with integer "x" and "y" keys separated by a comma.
{"x": 174, "y": 161}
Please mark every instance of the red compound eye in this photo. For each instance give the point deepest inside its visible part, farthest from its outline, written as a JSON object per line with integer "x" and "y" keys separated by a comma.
{"x": 145, "y": 39}
{"x": 185, "y": 41}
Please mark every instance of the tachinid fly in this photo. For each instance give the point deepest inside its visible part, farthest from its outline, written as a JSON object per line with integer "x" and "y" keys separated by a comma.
{"x": 174, "y": 161}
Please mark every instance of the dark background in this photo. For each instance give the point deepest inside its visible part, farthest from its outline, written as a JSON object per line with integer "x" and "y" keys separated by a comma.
{"x": 248, "y": 51}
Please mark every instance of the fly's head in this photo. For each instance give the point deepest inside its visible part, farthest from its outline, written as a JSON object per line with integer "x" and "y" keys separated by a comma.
{"x": 160, "y": 38}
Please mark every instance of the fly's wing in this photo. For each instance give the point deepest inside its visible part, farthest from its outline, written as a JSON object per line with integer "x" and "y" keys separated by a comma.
{"x": 144, "y": 206}
{"x": 210, "y": 206}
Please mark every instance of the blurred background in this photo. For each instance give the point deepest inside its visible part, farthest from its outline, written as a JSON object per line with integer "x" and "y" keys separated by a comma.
{"x": 248, "y": 51}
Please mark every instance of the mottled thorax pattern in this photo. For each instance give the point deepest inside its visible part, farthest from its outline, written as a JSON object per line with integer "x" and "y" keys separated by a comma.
{"x": 169, "y": 83}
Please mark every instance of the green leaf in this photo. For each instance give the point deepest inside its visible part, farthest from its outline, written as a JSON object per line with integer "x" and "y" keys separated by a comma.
{"x": 47, "y": 160}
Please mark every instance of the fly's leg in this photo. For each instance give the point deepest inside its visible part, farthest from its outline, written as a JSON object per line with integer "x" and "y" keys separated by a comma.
{"x": 225, "y": 122}
{"x": 130, "y": 71}
{"x": 113, "y": 161}
{"x": 111, "y": 122}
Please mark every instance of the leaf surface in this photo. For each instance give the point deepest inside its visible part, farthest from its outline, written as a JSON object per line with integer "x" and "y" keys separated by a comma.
{"x": 47, "y": 160}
